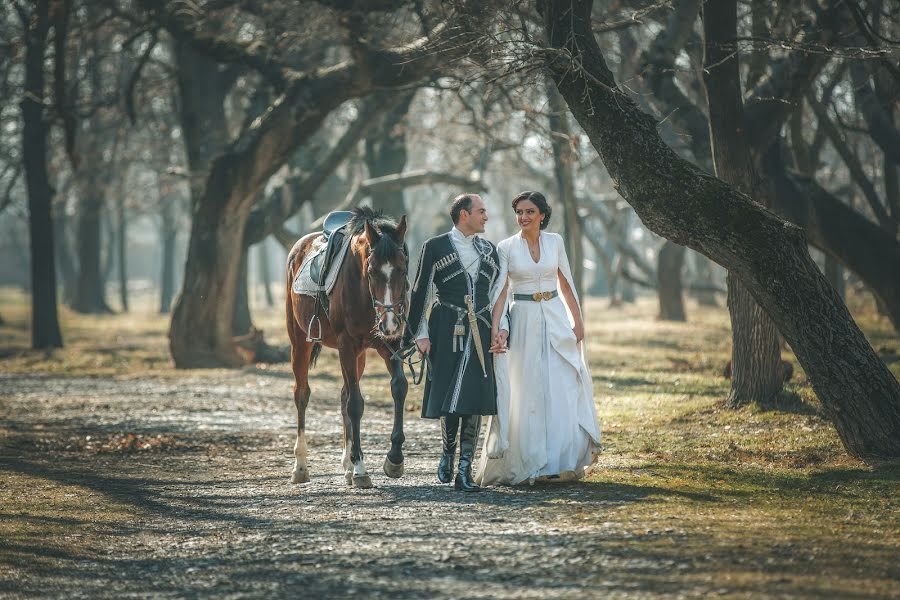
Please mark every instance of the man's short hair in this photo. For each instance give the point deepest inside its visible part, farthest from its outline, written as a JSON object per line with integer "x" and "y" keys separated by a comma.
{"x": 461, "y": 203}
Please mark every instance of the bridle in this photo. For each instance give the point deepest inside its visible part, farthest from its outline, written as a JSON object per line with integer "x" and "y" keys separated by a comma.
{"x": 380, "y": 308}
{"x": 396, "y": 309}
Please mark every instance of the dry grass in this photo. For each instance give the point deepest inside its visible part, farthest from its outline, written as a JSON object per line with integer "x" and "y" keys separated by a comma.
{"x": 734, "y": 491}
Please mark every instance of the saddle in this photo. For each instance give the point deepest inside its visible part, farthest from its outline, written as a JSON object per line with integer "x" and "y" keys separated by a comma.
{"x": 333, "y": 232}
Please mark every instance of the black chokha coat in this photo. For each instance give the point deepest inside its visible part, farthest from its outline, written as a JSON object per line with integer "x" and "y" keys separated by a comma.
{"x": 457, "y": 384}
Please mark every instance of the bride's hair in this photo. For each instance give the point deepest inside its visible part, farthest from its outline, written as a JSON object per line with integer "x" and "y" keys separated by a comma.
{"x": 538, "y": 199}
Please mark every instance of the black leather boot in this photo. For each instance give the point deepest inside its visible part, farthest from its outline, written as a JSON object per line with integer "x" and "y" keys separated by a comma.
{"x": 468, "y": 438}
{"x": 449, "y": 427}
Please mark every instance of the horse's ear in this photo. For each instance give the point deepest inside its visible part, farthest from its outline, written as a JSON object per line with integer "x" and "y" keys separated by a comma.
{"x": 372, "y": 235}
{"x": 401, "y": 229}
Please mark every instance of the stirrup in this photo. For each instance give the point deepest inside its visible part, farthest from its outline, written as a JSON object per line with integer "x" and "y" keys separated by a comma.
{"x": 309, "y": 328}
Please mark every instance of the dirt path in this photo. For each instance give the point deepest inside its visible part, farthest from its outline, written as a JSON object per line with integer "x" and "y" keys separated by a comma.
{"x": 180, "y": 488}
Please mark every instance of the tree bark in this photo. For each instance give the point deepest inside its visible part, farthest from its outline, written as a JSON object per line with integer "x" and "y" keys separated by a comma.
{"x": 678, "y": 201}
{"x": 563, "y": 162}
{"x": 671, "y": 293}
{"x": 45, "y": 332}
{"x": 756, "y": 374}
{"x": 386, "y": 155}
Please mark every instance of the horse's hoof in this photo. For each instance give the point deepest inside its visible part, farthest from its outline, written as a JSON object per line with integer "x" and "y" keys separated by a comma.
{"x": 392, "y": 470}
{"x": 362, "y": 482}
{"x": 349, "y": 477}
{"x": 300, "y": 477}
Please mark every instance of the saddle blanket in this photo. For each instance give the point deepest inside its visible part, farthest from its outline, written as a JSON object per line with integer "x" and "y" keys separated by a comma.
{"x": 303, "y": 282}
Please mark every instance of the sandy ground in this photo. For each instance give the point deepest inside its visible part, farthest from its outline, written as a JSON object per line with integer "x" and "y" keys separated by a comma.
{"x": 181, "y": 488}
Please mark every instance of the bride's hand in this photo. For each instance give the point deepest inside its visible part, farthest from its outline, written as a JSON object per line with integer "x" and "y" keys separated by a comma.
{"x": 498, "y": 341}
{"x": 578, "y": 330}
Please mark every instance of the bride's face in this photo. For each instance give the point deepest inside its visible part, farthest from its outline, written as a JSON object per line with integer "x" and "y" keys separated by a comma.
{"x": 527, "y": 216}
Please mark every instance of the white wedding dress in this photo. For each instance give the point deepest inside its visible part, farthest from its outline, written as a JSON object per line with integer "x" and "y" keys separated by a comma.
{"x": 546, "y": 423}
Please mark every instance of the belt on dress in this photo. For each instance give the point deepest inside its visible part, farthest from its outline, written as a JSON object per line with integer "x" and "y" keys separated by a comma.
{"x": 537, "y": 296}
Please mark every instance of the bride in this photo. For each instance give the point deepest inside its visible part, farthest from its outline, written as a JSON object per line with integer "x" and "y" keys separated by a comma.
{"x": 546, "y": 424}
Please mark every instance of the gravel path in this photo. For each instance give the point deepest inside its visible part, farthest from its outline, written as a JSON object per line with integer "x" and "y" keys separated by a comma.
{"x": 199, "y": 467}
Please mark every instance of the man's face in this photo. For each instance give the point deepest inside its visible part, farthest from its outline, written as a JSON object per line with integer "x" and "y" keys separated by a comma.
{"x": 477, "y": 216}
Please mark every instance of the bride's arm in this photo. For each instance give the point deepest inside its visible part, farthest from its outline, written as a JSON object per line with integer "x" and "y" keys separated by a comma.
{"x": 498, "y": 300}
{"x": 564, "y": 272}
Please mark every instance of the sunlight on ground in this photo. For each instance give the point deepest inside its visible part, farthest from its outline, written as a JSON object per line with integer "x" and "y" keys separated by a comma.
{"x": 734, "y": 490}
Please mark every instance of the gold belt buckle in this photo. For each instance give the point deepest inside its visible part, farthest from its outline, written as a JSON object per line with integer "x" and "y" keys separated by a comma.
{"x": 548, "y": 295}
{"x": 537, "y": 296}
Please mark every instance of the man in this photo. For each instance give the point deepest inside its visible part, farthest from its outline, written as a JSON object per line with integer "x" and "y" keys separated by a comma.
{"x": 455, "y": 279}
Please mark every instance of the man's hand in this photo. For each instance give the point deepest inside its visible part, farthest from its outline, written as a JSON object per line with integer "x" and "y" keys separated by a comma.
{"x": 498, "y": 343}
{"x": 424, "y": 345}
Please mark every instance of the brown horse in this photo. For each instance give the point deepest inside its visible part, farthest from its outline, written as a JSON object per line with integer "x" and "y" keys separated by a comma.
{"x": 367, "y": 310}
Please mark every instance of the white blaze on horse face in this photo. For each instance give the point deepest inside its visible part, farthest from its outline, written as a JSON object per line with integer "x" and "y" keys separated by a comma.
{"x": 389, "y": 321}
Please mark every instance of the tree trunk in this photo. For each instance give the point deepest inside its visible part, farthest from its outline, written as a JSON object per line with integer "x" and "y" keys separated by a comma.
{"x": 704, "y": 276}
{"x": 834, "y": 273}
{"x": 122, "y": 261}
{"x": 241, "y": 323}
{"x": 68, "y": 271}
{"x": 756, "y": 374}
{"x": 671, "y": 294}
{"x": 679, "y": 202}
{"x": 386, "y": 155}
{"x": 168, "y": 233}
{"x": 563, "y": 161}
{"x": 265, "y": 276}
{"x": 89, "y": 293}
{"x": 45, "y": 331}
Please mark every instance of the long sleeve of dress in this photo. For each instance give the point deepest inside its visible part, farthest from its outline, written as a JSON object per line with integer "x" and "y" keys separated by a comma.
{"x": 563, "y": 261}
{"x": 503, "y": 254}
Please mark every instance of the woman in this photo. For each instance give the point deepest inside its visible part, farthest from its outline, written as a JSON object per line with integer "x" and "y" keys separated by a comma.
{"x": 546, "y": 426}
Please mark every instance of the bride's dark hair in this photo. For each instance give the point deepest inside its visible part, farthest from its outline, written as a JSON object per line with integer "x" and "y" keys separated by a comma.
{"x": 538, "y": 199}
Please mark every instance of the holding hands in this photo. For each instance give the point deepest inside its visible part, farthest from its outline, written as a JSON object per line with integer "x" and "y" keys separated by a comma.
{"x": 498, "y": 341}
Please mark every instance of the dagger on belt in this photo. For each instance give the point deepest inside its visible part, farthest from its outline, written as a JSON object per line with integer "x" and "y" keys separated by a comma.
{"x": 476, "y": 335}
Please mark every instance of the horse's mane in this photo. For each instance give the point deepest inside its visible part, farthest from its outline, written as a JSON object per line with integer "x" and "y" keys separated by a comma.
{"x": 387, "y": 245}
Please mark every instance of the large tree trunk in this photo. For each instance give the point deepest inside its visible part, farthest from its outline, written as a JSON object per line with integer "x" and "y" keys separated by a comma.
{"x": 563, "y": 162}
{"x": 386, "y": 155}
{"x": 44, "y": 319}
{"x": 90, "y": 297}
{"x": 671, "y": 293}
{"x": 678, "y": 201}
{"x": 756, "y": 373}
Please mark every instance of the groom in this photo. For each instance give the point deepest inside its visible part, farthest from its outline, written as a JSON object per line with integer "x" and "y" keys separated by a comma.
{"x": 456, "y": 275}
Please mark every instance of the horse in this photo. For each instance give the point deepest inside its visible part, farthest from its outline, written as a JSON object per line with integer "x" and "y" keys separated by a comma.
{"x": 368, "y": 308}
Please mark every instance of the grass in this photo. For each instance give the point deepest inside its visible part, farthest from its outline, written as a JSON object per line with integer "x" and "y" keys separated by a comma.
{"x": 741, "y": 490}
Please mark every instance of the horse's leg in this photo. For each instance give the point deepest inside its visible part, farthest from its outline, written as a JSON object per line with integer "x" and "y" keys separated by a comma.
{"x": 300, "y": 355}
{"x": 346, "y": 463}
{"x": 393, "y": 462}
{"x": 349, "y": 354}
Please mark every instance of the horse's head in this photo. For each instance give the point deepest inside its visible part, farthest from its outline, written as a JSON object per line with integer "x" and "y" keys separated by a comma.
{"x": 387, "y": 262}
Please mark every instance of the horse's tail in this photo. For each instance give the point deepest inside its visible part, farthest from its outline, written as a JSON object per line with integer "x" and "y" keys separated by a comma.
{"x": 314, "y": 355}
